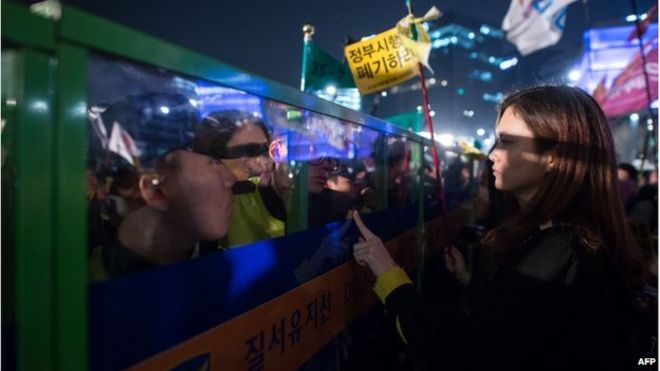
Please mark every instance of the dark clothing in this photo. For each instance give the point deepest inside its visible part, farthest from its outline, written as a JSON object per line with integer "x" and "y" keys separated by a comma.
{"x": 101, "y": 223}
{"x": 554, "y": 306}
{"x": 643, "y": 207}
{"x": 273, "y": 203}
{"x": 328, "y": 206}
{"x": 627, "y": 190}
{"x": 119, "y": 260}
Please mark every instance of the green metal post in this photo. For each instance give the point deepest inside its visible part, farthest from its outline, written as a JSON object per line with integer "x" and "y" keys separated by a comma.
{"x": 297, "y": 215}
{"x": 8, "y": 110}
{"x": 69, "y": 210}
{"x": 33, "y": 212}
{"x": 308, "y": 31}
{"x": 298, "y": 203}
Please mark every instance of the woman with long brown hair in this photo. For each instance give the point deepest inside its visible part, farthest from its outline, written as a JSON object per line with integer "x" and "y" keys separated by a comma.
{"x": 553, "y": 291}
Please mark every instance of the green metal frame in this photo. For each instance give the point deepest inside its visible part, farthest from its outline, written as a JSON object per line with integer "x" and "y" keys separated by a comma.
{"x": 49, "y": 275}
{"x": 297, "y": 218}
{"x": 50, "y": 266}
{"x": 33, "y": 248}
{"x": 8, "y": 90}
{"x": 24, "y": 28}
{"x": 30, "y": 127}
{"x": 70, "y": 209}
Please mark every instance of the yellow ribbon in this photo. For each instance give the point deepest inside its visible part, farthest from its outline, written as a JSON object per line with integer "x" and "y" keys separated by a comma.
{"x": 421, "y": 48}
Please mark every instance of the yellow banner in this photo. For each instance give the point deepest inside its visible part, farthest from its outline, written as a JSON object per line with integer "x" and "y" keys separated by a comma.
{"x": 381, "y": 61}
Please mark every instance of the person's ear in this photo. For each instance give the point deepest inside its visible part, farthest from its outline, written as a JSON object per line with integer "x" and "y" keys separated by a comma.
{"x": 152, "y": 192}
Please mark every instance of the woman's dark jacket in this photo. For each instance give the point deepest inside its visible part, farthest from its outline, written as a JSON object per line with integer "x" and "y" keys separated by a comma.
{"x": 554, "y": 306}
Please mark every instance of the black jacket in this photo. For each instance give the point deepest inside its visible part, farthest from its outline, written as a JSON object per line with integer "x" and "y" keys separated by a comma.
{"x": 555, "y": 306}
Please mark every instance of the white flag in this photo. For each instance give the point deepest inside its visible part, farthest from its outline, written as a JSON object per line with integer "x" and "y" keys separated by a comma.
{"x": 98, "y": 128}
{"x": 532, "y": 25}
{"x": 122, "y": 144}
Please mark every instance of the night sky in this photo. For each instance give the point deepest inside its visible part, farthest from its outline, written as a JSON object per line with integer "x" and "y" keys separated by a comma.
{"x": 265, "y": 37}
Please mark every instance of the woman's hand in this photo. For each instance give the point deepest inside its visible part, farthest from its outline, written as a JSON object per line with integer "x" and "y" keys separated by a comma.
{"x": 370, "y": 250}
{"x": 455, "y": 264}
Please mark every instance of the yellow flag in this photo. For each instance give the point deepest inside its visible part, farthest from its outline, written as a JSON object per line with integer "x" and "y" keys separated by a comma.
{"x": 381, "y": 61}
{"x": 471, "y": 151}
{"x": 421, "y": 48}
{"x": 391, "y": 57}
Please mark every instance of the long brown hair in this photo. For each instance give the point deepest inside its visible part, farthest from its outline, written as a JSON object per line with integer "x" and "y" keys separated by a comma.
{"x": 580, "y": 189}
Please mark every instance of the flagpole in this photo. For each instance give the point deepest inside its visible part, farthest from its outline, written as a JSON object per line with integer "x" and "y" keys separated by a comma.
{"x": 429, "y": 124}
{"x": 587, "y": 18}
{"x": 106, "y": 158}
{"x": 308, "y": 32}
{"x": 649, "y": 121}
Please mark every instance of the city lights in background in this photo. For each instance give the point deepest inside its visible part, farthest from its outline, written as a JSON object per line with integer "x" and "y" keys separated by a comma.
{"x": 495, "y": 98}
{"x": 574, "y": 75}
{"x": 446, "y": 139}
{"x": 488, "y": 142}
{"x": 607, "y": 53}
{"x": 331, "y": 90}
{"x": 632, "y": 17}
{"x": 508, "y": 63}
{"x": 634, "y": 120}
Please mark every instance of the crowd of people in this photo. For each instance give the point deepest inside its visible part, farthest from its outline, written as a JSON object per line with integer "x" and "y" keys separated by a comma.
{"x": 220, "y": 190}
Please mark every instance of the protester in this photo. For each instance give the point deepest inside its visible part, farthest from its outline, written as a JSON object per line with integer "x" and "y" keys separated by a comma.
{"x": 241, "y": 142}
{"x": 188, "y": 200}
{"x": 552, "y": 291}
